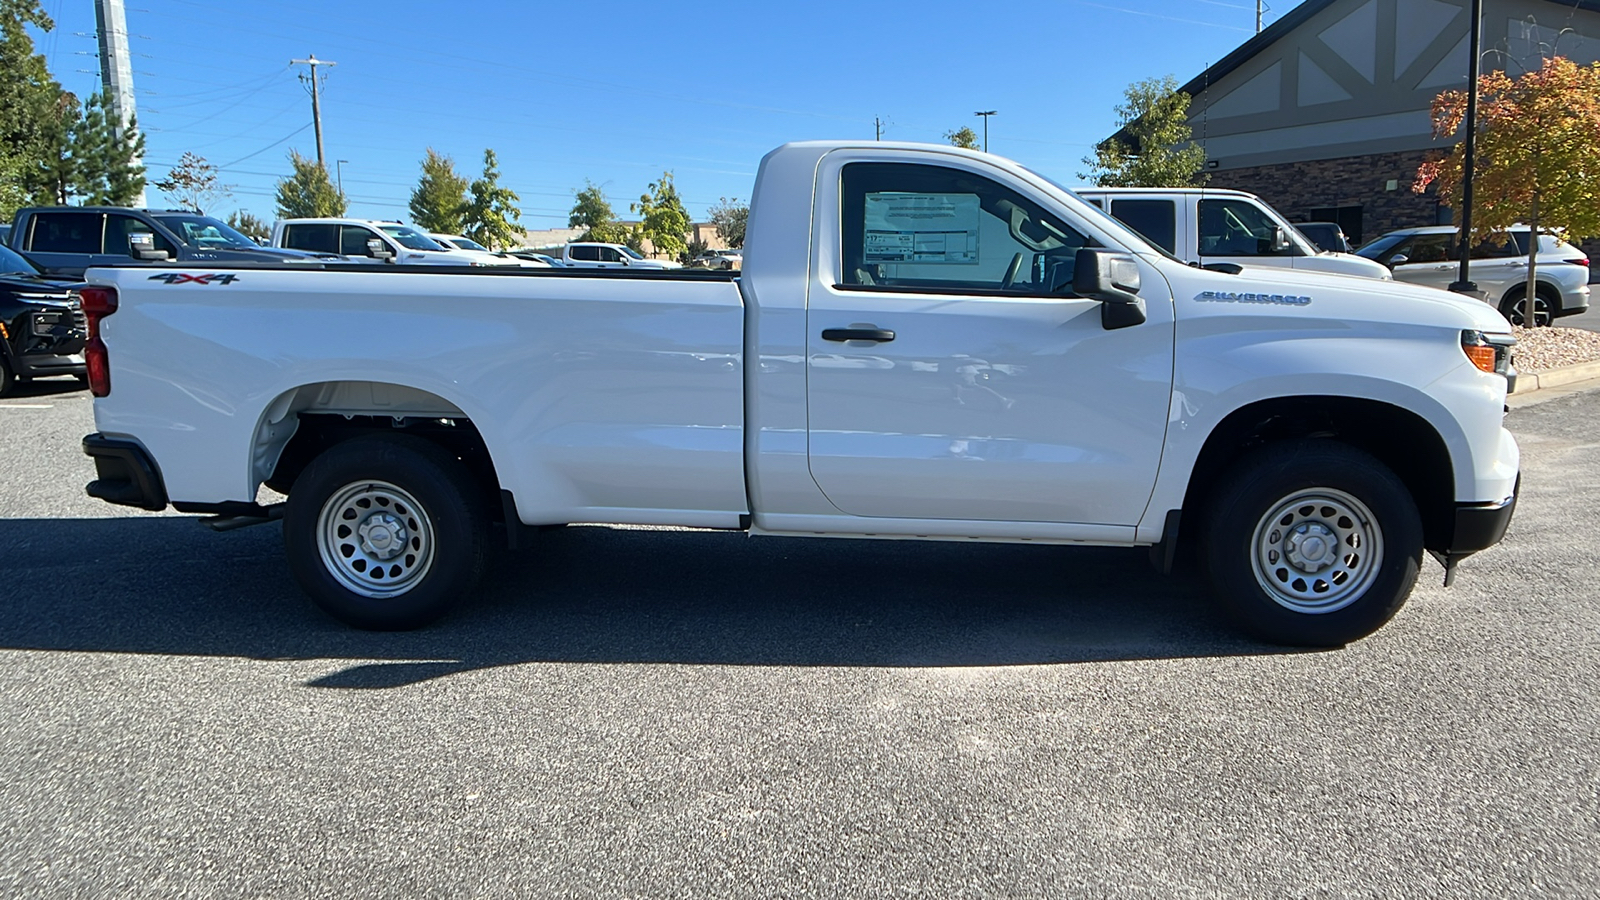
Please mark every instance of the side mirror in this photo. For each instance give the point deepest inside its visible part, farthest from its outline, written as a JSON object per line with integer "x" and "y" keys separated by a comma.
{"x": 1280, "y": 240}
{"x": 625, "y": 262}
{"x": 377, "y": 249}
{"x": 142, "y": 246}
{"x": 1112, "y": 278}
{"x": 1399, "y": 259}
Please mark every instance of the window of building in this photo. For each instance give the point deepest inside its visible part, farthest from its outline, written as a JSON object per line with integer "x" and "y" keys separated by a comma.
{"x": 922, "y": 227}
{"x": 1348, "y": 218}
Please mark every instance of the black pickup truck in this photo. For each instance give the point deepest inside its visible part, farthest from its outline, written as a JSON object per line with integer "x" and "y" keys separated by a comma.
{"x": 42, "y": 328}
{"x": 66, "y": 240}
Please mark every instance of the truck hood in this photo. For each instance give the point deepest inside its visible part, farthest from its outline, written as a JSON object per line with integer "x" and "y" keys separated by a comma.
{"x": 1411, "y": 303}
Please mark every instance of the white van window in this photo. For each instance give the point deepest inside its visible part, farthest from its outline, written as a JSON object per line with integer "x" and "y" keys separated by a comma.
{"x": 932, "y": 228}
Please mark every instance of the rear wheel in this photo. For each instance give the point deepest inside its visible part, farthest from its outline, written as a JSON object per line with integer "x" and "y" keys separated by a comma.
{"x": 385, "y": 532}
{"x": 8, "y": 378}
{"x": 1312, "y": 543}
{"x": 1515, "y": 308}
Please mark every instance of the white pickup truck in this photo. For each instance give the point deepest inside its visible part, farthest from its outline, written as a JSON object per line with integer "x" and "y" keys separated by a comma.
{"x": 924, "y": 343}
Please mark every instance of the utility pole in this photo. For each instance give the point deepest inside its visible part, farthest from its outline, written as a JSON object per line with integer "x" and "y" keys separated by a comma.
{"x": 985, "y": 116}
{"x": 877, "y": 125}
{"x": 339, "y": 164}
{"x": 1259, "y": 10}
{"x": 1463, "y": 284}
{"x": 316, "y": 106}
{"x": 116, "y": 69}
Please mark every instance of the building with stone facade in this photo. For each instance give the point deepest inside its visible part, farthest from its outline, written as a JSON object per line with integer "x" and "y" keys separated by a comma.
{"x": 1326, "y": 113}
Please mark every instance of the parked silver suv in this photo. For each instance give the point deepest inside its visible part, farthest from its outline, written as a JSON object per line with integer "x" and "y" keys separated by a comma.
{"x": 1499, "y": 269}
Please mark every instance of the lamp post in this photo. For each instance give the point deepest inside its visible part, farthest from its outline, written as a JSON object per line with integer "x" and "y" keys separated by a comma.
{"x": 985, "y": 115}
{"x": 1463, "y": 284}
{"x": 338, "y": 166}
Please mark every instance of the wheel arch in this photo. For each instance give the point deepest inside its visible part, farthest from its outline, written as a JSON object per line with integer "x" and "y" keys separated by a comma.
{"x": 303, "y": 421}
{"x": 1404, "y": 441}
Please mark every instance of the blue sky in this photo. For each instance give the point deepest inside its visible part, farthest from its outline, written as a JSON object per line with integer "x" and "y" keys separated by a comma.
{"x": 619, "y": 92}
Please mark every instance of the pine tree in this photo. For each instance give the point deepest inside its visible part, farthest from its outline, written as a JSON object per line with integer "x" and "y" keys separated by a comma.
{"x": 439, "y": 204}
{"x": 104, "y": 164}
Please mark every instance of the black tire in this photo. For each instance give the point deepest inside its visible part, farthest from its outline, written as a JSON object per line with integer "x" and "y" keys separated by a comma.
{"x": 1312, "y": 543}
{"x": 404, "y": 527}
{"x": 8, "y": 379}
{"x": 1546, "y": 307}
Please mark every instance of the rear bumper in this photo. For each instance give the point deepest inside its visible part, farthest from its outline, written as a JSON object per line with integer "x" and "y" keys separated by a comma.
{"x": 1479, "y": 526}
{"x": 126, "y": 475}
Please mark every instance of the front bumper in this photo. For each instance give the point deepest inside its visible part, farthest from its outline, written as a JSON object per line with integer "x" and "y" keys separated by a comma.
{"x": 41, "y": 365}
{"x": 1479, "y": 526}
{"x": 126, "y": 474}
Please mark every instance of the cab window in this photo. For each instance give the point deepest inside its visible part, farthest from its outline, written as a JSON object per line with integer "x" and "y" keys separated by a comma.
{"x": 66, "y": 232}
{"x": 314, "y": 237}
{"x": 353, "y": 240}
{"x": 1155, "y": 220}
{"x": 1230, "y": 227}
{"x": 118, "y": 227}
{"x": 933, "y": 228}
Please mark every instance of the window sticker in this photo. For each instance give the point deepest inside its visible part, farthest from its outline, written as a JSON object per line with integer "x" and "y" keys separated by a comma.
{"x": 921, "y": 228}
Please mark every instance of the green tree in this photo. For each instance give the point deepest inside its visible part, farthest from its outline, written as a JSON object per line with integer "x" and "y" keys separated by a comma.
{"x": 105, "y": 157}
{"x": 492, "y": 217}
{"x": 37, "y": 117}
{"x": 730, "y": 218}
{"x": 592, "y": 211}
{"x": 308, "y": 193}
{"x": 193, "y": 183}
{"x": 665, "y": 222}
{"x": 250, "y": 226}
{"x": 964, "y": 138}
{"x": 1157, "y": 152}
{"x": 1538, "y": 149}
{"x": 439, "y": 203}
{"x": 13, "y": 194}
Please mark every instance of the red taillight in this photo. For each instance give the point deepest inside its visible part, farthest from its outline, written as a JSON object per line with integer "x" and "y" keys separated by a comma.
{"x": 1580, "y": 261}
{"x": 98, "y": 302}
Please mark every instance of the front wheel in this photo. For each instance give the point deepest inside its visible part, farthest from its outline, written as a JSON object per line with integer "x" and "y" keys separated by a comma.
{"x": 1312, "y": 543}
{"x": 385, "y": 532}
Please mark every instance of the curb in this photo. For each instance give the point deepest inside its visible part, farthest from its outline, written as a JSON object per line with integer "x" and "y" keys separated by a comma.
{"x": 1529, "y": 382}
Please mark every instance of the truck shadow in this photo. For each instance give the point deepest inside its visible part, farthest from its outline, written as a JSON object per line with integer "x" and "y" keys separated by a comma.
{"x": 164, "y": 585}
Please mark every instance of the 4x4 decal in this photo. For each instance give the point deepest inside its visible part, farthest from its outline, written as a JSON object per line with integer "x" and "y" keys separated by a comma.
{"x": 186, "y": 278}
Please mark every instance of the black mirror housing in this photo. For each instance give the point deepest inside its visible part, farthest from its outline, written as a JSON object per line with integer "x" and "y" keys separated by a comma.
{"x": 1111, "y": 277}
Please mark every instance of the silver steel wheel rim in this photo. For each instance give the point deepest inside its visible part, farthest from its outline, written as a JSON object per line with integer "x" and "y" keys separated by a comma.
{"x": 375, "y": 539}
{"x": 1317, "y": 551}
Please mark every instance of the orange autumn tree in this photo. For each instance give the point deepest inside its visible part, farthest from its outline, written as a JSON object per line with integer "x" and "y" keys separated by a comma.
{"x": 1538, "y": 155}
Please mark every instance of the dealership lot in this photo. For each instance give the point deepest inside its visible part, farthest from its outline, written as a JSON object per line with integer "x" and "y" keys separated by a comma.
{"x": 630, "y": 713}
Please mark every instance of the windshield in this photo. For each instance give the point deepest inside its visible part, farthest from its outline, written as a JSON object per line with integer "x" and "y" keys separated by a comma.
{"x": 1375, "y": 249}
{"x": 410, "y": 238}
{"x": 207, "y": 233}
{"x": 631, "y": 252}
{"x": 465, "y": 243}
{"x": 12, "y": 263}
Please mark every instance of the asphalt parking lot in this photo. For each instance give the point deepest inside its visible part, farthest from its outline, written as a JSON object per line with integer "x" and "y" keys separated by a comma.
{"x": 632, "y": 713}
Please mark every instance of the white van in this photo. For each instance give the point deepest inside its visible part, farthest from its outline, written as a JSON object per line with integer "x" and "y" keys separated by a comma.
{"x": 1208, "y": 226}
{"x": 370, "y": 240}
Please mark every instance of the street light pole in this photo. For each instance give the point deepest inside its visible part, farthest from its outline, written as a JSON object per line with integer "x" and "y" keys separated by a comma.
{"x": 1463, "y": 284}
{"x": 338, "y": 165}
{"x": 986, "y": 114}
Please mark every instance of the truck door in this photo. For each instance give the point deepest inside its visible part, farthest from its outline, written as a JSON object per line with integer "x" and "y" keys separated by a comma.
{"x": 1235, "y": 230}
{"x": 951, "y": 371}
